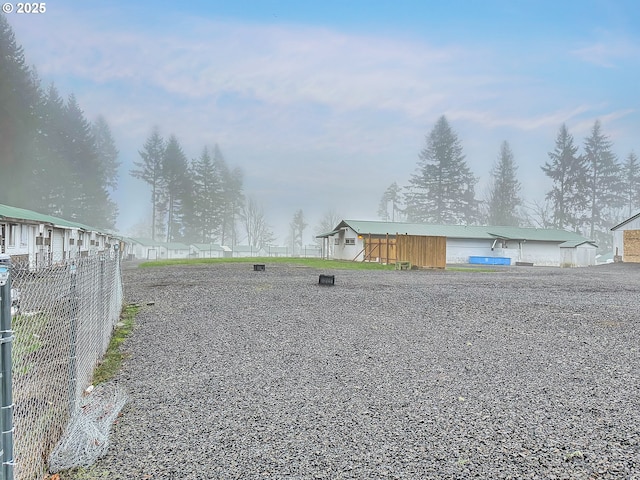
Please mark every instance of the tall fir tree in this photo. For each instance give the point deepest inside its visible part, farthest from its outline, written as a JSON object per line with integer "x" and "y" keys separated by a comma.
{"x": 443, "y": 189}
{"x": 567, "y": 171}
{"x": 504, "y": 193}
{"x": 149, "y": 170}
{"x": 53, "y": 171}
{"x": 88, "y": 200}
{"x": 176, "y": 187}
{"x": 207, "y": 199}
{"x": 631, "y": 183}
{"x": 232, "y": 197}
{"x": 603, "y": 187}
{"x": 18, "y": 123}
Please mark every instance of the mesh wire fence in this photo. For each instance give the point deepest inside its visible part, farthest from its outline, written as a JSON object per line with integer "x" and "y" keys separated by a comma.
{"x": 63, "y": 316}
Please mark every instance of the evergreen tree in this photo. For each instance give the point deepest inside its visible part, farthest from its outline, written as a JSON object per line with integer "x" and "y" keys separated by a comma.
{"x": 88, "y": 200}
{"x": 52, "y": 171}
{"x": 18, "y": 99}
{"x": 603, "y": 185}
{"x": 631, "y": 183}
{"x": 176, "y": 186}
{"x": 504, "y": 198}
{"x": 568, "y": 173}
{"x": 392, "y": 195}
{"x": 149, "y": 170}
{"x": 442, "y": 190}
{"x": 232, "y": 197}
{"x": 298, "y": 226}
{"x": 207, "y": 200}
{"x": 107, "y": 152}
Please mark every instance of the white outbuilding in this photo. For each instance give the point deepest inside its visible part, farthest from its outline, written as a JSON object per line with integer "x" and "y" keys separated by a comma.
{"x": 359, "y": 240}
{"x": 626, "y": 240}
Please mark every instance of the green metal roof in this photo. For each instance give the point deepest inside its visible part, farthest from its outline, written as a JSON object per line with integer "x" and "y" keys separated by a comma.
{"x": 208, "y": 247}
{"x": 7, "y": 212}
{"x": 364, "y": 227}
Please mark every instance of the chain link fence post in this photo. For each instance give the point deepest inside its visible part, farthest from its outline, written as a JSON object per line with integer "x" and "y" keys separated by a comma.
{"x": 6, "y": 403}
{"x": 73, "y": 335}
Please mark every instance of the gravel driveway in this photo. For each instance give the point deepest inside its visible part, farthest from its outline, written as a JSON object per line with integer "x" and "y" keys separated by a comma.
{"x": 522, "y": 373}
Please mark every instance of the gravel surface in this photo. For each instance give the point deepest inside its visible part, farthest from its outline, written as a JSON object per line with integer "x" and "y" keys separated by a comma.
{"x": 522, "y": 373}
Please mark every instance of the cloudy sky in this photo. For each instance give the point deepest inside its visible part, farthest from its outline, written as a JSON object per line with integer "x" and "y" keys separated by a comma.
{"x": 325, "y": 104}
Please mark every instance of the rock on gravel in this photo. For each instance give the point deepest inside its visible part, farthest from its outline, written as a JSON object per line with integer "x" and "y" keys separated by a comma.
{"x": 522, "y": 373}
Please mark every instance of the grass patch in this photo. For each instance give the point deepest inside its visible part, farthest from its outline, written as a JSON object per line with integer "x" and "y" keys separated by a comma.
{"x": 317, "y": 263}
{"x": 306, "y": 262}
{"x": 28, "y": 331}
{"x": 112, "y": 360}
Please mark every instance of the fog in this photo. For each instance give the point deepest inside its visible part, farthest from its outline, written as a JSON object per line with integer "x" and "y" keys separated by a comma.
{"x": 323, "y": 107}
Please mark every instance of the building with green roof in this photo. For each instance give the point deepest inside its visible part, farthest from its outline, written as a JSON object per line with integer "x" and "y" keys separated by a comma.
{"x": 537, "y": 246}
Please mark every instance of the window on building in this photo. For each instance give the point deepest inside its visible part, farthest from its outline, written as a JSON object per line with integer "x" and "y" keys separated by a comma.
{"x": 24, "y": 235}
{"x": 337, "y": 241}
{"x": 349, "y": 241}
{"x": 12, "y": 234}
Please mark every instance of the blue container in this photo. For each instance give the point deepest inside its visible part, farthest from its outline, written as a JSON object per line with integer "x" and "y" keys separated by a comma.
{"x": 489, "y": 260}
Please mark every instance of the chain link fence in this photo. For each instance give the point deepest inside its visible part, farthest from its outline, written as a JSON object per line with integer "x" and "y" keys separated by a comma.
{"x": 63, "y": 317}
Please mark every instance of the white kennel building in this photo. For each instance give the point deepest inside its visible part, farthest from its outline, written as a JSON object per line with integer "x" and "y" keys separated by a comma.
{"x": 540, "y": 247}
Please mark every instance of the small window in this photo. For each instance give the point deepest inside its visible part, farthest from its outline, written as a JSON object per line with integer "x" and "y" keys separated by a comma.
{"x": 337, "y": 241}
{"x": 349, "y": 241}
{"x": 12, "y": 235}
{"x": 24, "y": 235}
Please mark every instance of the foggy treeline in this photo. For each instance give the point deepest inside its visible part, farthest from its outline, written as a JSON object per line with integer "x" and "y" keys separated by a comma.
{"x": 197, "y": 201}
{"x": 590, "y": 191}
{"x": 53, "y": 159}
{"x": 56, "y": 162}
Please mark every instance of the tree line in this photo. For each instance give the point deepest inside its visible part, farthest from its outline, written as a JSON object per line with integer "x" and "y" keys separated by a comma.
{"x": 199, "y": 200}
{"x": 590, "y": 191}
{"x": 54, "y": 160}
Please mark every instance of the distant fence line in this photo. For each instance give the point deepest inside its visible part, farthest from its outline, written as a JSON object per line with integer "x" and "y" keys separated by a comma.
{"x": 62, "y": 320}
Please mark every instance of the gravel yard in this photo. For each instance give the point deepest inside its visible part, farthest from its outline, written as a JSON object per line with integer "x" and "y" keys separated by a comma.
{"x": 522, "y": 373}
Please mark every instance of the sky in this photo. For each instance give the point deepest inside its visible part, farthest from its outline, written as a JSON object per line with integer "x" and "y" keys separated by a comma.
{"x": 324, "y": 104}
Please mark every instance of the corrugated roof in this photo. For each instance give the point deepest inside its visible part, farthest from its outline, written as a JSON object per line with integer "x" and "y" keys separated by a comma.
{"x": 365, "y": 227}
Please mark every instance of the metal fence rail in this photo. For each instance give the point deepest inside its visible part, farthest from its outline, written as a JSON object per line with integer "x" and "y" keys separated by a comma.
{"x": 62, "y": 320}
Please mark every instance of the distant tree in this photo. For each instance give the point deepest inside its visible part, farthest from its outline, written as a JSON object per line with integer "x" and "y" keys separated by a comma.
{"x": 298, "y": 226}
{"x": 392, "y": 195}
{"x": 107, "y": 164}
{"x": 149, "y": 170}
{"x": 442, "y": 190}
{"x": 176, "y": 186}
{"x": 232, "y": 197}
{"x": 631, "y": 183}
{"x": 52, "y": 172}
{"x": 107, "y": 152}
{"x": 207, "y": 199}
{"x": 567, "y": 171}
{"x": 329, "y": 221}
{"x": 504, "y": 193}
{"x": 603, "y": 186}
{"x": 539, "y": 215}
{"x": 88, "y": 199}
{"x": 258, "y": 231}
